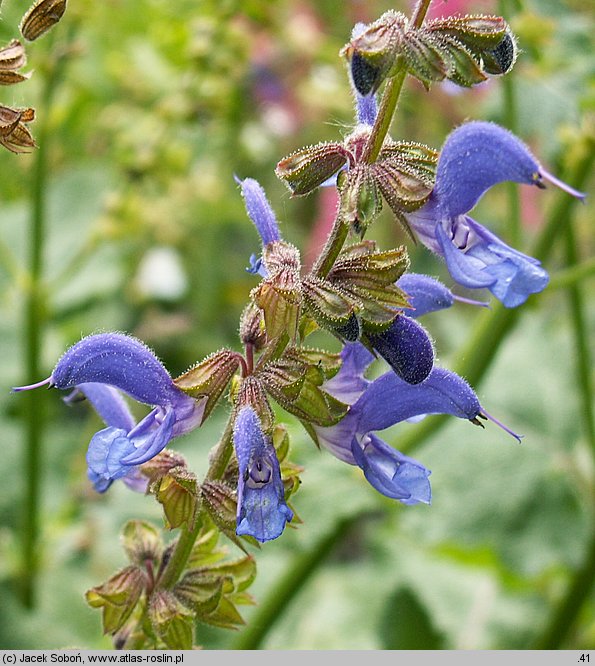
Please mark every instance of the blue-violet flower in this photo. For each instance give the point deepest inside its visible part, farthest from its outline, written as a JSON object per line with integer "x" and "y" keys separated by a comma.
{"x": 476, "y": 156}
{"x": 262, "y": 511}
{"x": 379, "y": 404}
{"x": 122, "y": 362}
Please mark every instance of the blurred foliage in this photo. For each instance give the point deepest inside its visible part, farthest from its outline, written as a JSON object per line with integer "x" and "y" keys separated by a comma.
{"x": 157, "y": 106}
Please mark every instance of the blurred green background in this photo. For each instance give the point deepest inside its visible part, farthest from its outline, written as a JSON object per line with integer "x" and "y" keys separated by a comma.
{"x": 145, "y": 111}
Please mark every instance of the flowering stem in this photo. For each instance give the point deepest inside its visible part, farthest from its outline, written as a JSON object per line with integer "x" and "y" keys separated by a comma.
{"x": 392, "y": 92}
{"x": 179, "y": 557}
{"x": 331, "y": 250}
{"x": 388, "y": 105}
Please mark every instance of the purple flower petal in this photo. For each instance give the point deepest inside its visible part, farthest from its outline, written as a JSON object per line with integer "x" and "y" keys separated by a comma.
{"x": 392, "y": 473}
{"x": 259, "y": 210}
{"x": 389, "y": 400}
{"x": 109, "y": 404}
{"x": 488, "y": 262}
{"x": 121, "y": 361}
{"x": 367, "y": 108}
{"x": 425, "y": 294}
{"x": 262, "y": 511}
{"x": 150, "y": 437}
{"x": 349, "y": 383}
{"x": 476, "y": 156}
{"x": 106, "y": 449}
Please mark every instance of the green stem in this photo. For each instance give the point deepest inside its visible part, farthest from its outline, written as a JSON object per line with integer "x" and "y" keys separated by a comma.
{"x": 567, "y": 610}
{"x": 584, "y": 362}
{"x": 183, "y": 548}
{"x": 388, "y": 106}
{"x": 419, "y": 13}
{"x": 35, "y": 318}
{"x": 10, "y": 264}
{"x": 510, "y": 116}
{"x": 331, "y": 249}
{"x": 294, "y": 579}
{"x": 573, "y": 274}
{"x": 390, "y": 97}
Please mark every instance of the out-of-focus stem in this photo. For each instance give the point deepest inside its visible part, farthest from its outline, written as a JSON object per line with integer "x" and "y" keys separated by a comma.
{"x": 566, "y": 611}
{"x": 35, "y": 317}
{"x": 510, "y": 117}
{"x": 584, "y": 362}
{"x": 573, "y": 274}
{"x": 294, "y": 579}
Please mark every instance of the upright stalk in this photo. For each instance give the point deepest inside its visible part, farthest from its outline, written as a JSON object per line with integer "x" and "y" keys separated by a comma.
{"x": 386, "y": 111}
{"x": 35, "y": 318}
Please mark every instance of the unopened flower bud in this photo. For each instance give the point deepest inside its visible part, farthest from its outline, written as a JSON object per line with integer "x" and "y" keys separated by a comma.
{"x": 252, "y": 330}
{"x": 142, "y": 542}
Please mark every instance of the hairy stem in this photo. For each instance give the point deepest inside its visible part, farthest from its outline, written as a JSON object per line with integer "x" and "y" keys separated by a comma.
{"x": 332, "y": 248}
{"x": 218, "y": 462}
{"x": 388, "y": 106}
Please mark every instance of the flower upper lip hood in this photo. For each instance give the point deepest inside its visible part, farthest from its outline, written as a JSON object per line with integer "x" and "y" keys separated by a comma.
{"x": 118, "y": 360}
{"x": 126, "y": 363}
{"x": 476, "y": 156}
